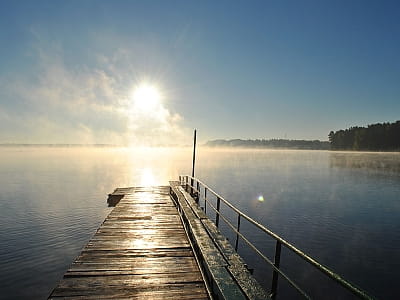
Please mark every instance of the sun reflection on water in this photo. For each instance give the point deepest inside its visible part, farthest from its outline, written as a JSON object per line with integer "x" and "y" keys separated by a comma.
{"x": 147, "y": 177}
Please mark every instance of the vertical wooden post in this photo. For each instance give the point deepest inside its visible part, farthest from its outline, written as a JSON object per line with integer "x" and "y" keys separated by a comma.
{"x": 197, "y": 198}
{"x": 217, "y": 212}
{"x": 275, "y": 274}
{"x": 237, "y": 234}
{"x": 194, "y": 161}
{"x": 205, "y": 200}
{"x": 194, "y": 152}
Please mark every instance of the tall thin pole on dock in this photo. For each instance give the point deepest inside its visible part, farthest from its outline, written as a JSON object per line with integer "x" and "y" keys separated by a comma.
{"x": 193, "y": 165}
{"x": 194, "y": 152}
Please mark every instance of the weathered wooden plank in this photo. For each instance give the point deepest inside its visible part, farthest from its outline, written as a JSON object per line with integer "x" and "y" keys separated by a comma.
{"x": 117, "y": 254}
{"x": 159, "y": 264}
{"x": 122, "y": 288}
{"x": 111, "y": 273}
{"x": 131, "y": 280}
{"x": 143, "y": 295}
{"x": 140, "y": 231}
{"x": 139, "y": 245}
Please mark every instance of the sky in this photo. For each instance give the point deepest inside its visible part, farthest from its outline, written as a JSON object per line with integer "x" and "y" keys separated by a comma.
{"x": 70, "y": 70}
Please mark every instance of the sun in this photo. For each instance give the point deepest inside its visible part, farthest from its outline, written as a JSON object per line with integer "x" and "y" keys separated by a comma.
{"x": 146, "y": 97}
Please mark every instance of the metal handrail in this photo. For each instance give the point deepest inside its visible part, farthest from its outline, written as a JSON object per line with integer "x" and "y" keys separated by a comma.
{"x": 195, "y": 191}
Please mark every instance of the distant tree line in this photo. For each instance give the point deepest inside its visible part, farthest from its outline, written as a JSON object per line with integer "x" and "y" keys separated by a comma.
{"x": 375, "y": 137}
{"x": 273, "y": 143}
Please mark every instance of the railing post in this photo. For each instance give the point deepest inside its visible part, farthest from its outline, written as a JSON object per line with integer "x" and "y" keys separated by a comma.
{"x": 237, "y": 234}
{"x": 217, "y": 212}
{"x": 185, "y": 180}
{"x": 275, "y": 274}
{"x": 197, "y": 192}
{"x": 191, "y": 186}
{"x": 205, "y": 200}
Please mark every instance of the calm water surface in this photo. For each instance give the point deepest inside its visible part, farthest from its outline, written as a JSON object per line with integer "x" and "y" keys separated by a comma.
{"x": 341, "y": 208}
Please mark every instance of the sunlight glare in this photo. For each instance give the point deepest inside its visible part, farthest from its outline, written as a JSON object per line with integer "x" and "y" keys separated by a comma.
{"x": 146, "y": 98}
{"x": 147, "y": 178}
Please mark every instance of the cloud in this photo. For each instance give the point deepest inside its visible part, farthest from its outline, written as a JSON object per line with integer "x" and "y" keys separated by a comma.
{"x": 60, "y": 102}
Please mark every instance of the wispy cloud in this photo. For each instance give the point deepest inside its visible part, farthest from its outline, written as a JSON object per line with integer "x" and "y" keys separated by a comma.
{"x": 58, "y": 102}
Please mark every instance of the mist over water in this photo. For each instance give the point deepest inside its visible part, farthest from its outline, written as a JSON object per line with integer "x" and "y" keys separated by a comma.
{"x": 342, "y": 208}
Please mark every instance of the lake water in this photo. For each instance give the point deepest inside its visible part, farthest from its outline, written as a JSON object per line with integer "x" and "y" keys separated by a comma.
{"x": 342, "y": 208}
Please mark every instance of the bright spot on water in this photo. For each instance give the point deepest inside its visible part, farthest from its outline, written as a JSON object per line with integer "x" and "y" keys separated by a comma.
{"x": 147, "y": 177}
{"x": 261, "y": 198}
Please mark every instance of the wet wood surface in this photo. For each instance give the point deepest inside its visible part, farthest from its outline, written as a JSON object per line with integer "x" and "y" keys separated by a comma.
{"x": 225, "y": 269}
{"x": 141, "y": 251}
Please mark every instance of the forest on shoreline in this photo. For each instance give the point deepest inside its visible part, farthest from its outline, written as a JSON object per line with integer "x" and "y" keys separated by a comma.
{"x": 273, "y": 143}
{"x": 374, "y": 137}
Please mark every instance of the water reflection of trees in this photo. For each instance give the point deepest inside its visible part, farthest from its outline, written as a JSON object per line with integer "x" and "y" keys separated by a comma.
{"x": 385, "y": 162}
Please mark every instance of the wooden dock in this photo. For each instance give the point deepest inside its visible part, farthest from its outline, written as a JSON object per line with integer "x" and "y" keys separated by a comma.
{"x": 157, "y": 244}
{"x": 141, "y": 251}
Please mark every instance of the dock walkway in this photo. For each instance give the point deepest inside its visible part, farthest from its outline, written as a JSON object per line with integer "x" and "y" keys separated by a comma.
{"x": 141, "y": 251}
